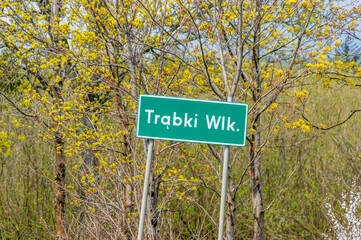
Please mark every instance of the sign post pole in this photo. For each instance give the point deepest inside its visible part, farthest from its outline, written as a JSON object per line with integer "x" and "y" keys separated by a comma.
{"x": 191, "y": 120}
{"x": 145, "y": 188}
{"x": 224, "y": 188}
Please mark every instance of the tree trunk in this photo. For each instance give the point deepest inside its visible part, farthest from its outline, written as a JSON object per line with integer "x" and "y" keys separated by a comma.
{"x": 89, "y": 165}
{"x": 257, "y": 198}
{"x": 256, "y": 187}
{"x": 60, "y": 168}
{"x": 127, "y": 199}
{"x": 231, "y": 214}
{"x": 128, "y": 191}
{"x": 60, "y": 196}
{"x": 152, "y": 207}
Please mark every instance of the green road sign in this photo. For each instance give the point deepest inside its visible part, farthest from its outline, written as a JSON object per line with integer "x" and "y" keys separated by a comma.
{"x": 192, "y": 120}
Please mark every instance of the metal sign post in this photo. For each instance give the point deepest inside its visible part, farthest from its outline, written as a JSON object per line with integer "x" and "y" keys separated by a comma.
{"x": 191, "y": 120}
{"x": 224, "y": 193}
{"x": 224, "y": 188}
{"x": 145, "y": 188}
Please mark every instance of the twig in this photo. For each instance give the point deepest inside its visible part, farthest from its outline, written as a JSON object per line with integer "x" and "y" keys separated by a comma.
{"x": 333, "y": 126}
{"x": 20, "y": 111}
{"x": 167, "y": 147}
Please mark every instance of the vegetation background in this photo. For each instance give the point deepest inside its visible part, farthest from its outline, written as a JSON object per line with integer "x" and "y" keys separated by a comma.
{"x": 71, "y": 72}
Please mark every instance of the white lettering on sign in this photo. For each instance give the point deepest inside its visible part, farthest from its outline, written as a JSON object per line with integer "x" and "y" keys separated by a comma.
{"x": 229, "y": 124}
{"x": 177, "y": 121}
{"x": 149, "y": 112}
{"x": 187, "y": 121}
{"x": 166, "y": 121}
{"x": 213, "y": 122}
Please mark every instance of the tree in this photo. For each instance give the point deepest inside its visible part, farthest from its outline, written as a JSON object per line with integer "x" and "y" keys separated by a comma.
{"x": 84, "y": 63}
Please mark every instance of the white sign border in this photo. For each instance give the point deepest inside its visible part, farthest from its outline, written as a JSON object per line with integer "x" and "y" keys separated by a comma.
{"x": 192, "y": 141}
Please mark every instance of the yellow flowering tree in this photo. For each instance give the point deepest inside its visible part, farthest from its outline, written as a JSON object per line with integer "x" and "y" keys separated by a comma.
{"x": 81, "y": 65}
